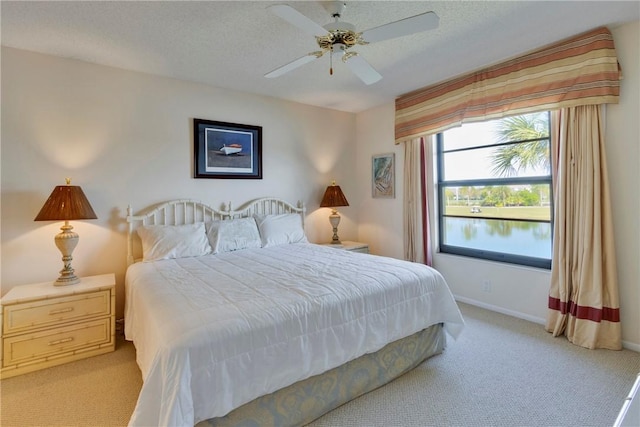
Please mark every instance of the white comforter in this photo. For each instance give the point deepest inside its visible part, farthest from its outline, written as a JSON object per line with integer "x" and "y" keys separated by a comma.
{"x": 215, "y": 332}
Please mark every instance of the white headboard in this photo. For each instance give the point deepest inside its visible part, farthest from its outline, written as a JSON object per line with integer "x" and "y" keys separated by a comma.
{"x": 186, "y": 211}
{"x": 266, "y": 206}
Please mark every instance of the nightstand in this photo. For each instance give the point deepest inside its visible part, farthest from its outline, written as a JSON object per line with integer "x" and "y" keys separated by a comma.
{"x": 45, "y": 325}
{"x": 350, "y": 246}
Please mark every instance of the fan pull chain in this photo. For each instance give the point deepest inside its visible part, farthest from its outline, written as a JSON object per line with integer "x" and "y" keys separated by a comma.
{"x": 331, "y": 62}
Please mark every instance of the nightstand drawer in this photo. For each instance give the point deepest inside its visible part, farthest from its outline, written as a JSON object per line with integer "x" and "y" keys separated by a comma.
{"x": 47, "y": 344}
{"x": 49, "y": 312}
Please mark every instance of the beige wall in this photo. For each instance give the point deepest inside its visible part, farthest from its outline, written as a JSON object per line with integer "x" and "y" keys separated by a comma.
{"x": 126, "y": 137}
{"x": 380, "y": 220}
{"x": 518, "y": 290}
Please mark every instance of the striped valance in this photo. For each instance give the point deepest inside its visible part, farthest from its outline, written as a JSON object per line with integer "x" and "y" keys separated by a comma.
{"x": 582, "y": 70}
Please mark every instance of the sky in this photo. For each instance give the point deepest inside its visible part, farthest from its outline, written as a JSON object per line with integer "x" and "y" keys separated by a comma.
{"x": 474, "y": 164}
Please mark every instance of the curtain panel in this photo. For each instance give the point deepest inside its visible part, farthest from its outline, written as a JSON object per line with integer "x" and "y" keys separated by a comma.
{"x": 582, "y": 70}
{"x": 417, "y": 238}
{"x": 583, "y": 297}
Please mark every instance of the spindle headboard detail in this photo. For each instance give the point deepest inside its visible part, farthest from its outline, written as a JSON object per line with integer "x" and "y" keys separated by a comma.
{"x": 187, "y": 211}
{"x": 267, "y": 206}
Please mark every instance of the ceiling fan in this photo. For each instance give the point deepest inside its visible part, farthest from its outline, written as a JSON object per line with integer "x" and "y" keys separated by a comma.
{"x": 337, "y": 38}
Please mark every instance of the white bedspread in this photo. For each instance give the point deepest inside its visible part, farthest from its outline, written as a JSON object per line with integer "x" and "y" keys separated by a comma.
{"x": 215, "y": 332}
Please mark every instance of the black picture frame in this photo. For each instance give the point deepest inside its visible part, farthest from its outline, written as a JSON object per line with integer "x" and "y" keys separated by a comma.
{"x": 227, "y": 150}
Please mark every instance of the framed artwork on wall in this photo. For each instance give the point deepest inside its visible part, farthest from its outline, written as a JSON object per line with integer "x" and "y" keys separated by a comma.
{"x": 226, "y": 150}
{"x": 383, "y": 176}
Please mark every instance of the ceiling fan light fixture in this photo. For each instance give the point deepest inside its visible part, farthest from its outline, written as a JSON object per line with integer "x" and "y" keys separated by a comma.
{"x": 338, "y": 50}
{"x": 337, "y": 37}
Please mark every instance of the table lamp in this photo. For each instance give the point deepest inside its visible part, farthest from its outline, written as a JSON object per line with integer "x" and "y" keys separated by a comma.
{"x": 333, "y": 197}
{"x": 66, "y": 202}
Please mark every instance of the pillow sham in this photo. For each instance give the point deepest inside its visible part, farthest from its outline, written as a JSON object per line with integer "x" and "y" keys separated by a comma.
{"x": 233, "y": 234}
{"x": 173, "y": 241}
{"x": 280, "y": 229}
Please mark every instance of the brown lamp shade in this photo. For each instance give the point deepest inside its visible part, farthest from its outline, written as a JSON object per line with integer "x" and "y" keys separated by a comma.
{"x": 66, "y": 202}
{"x": 333, "y": 197}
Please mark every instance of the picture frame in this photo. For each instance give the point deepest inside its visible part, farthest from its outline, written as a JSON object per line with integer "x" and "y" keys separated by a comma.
{"x": 383, "y": 176}
{"x": 227, "y": 150}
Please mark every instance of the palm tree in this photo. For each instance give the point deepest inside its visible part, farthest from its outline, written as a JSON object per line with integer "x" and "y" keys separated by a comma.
{"x": 508, "y": 160}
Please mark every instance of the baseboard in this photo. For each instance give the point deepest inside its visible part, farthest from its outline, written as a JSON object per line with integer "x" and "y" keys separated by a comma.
{"x": 501, "y": 310}
{"x": 631, "y": 346}
{"x": 625, "y": 344}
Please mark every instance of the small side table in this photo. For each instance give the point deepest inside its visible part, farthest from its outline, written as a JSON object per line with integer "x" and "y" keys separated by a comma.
{"x": 350, "y": 246}
{"x": 45, "y": 325}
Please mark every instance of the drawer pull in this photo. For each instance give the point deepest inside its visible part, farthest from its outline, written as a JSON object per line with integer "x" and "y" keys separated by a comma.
{"x": 62, "y": 341}
{"x": 62, "y": 310}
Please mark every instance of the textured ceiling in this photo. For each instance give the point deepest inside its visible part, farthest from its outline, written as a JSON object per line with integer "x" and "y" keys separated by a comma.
{"x": 233, "y": 44}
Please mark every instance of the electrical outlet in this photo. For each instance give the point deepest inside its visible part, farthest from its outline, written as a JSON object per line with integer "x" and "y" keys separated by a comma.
{"x": 486, "y": 285}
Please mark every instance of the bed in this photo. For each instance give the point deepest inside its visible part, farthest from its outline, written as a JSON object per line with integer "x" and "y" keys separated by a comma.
{"x": 238, "y": 320}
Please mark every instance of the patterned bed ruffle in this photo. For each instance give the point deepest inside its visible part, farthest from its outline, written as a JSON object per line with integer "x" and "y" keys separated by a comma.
{"x": 307, "y": 400}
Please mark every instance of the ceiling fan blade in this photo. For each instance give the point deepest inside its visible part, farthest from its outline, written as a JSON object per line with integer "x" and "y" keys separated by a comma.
{"x": 404, "y": 27}
{"x": 293, "y": 65}
{"x": 294, "y": 17}
{"x": 361, "y": 68}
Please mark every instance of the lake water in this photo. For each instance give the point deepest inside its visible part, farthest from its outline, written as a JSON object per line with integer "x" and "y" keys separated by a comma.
{"x": 515, "y": 237}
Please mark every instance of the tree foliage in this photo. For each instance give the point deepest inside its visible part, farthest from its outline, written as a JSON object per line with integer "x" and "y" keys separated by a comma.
{"x": 498, "y": 196}
{"x": 510, "y": 159}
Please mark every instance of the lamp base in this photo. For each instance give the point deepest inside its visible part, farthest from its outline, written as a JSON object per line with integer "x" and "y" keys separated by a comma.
{"x": 66, "y": 242}
{"x": 67, "y": 280}
{"x": 334, "y": 219}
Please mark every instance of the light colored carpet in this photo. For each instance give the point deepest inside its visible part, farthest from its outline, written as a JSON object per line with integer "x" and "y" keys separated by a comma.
{"x": 98, "y": 391}
{"x": 502, "y": 371}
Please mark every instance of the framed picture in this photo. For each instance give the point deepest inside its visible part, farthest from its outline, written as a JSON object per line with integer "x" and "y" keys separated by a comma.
{"x": 383, "y": 176}
{"x": 227, "y": 150}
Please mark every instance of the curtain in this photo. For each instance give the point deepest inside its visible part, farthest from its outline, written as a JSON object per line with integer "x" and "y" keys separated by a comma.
{"x": 417, "y": 240}
{"x": 583, "y": 297}
{"x": 582, "y": 70}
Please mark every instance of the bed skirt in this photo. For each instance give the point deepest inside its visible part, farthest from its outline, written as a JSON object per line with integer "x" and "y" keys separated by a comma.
{"x": 307, "y": 400}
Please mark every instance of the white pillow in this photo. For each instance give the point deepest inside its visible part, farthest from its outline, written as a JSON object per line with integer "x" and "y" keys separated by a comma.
{"x": 233, "y": 234}
{"x": 280, "y": 229}
{"x": 173, "y": 241}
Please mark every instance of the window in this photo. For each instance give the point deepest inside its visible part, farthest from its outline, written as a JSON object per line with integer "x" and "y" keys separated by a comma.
{"x": 494, "y": 186}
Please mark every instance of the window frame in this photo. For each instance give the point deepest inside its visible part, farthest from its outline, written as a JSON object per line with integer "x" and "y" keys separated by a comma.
{"x": 442, "y": 185}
